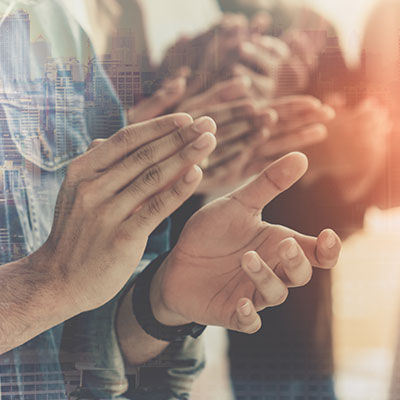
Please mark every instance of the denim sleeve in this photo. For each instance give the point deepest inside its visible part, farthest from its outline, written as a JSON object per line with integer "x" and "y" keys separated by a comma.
{"x": 170, "y": 375}
{"x": 92, "y": 340}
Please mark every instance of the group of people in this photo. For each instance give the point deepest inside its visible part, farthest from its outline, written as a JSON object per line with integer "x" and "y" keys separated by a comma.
{"x": 126, "y": 230}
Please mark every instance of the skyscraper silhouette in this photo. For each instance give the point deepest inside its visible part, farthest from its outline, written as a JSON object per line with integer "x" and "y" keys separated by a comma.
{"x": 15, "y": 47}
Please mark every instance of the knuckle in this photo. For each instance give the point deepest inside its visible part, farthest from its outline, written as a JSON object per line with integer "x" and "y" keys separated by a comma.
{"x": 102, "y": 215}
{"x": 178, "y": 138}
{"x": 124, "y": 164}
{"x": 155, "y": 206}
{"x": 74, "y": 169}
{"x": 124, "y": 137}
{"x": 152, "y": 177}
{"x": 264, "y": 282}
{"x": 253, "y": 328}
{"x": 272, "y": 181}
{"x": 145, "y": 154}
{"x": 134, "y": 189}
{"x": 176, "y": 191}
{"x": 142, "y": 221}
{"x": 161, "y": 124}
{"x": 280, "y": 296}
{"x": 95, "y": 143}
{"x": 305, "y": 277}
{"x": 184, "y": 154}
{"x": 85, "y": 195}
{"x": 122, "y": 236}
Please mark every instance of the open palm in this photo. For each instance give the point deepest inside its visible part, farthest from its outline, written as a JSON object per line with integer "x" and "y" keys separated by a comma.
{"x": 208, "y": 277}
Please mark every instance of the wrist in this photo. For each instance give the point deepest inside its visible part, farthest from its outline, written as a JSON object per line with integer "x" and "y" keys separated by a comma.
{"x": 57, "y": 290}
{"x": 163, "y": 312}
{"x": 49, "y": 287}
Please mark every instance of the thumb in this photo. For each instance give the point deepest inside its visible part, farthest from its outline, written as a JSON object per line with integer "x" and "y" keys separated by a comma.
{"x": 161, "y": 101}
{"x": 275, "y": 179}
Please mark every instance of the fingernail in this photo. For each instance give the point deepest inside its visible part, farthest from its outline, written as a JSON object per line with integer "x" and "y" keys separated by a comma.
{"x": 330, "y": 240}
{"x": 292, "y": 251}
{"x": 245, "y": 309}
{"x": 203, "y": 124}
{"x": 192, "y": 174}
{"x": 202, "y": 142}
{"x": 253, "y": 263}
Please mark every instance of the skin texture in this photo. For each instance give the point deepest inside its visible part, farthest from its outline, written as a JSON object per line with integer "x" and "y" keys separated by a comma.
{"x": 240, "y": 266}
{"x": 215, "y": 270}
{"x": 251, "y": 134}
{"x": 112, "y": 198}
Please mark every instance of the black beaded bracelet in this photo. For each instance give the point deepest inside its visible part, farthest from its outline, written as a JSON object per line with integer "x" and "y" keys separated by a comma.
{"x": 144, "y": 314}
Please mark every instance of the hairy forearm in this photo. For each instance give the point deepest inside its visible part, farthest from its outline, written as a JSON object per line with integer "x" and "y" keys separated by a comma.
{"x": 29, "y": 302}
{"x": 136, "y": 345}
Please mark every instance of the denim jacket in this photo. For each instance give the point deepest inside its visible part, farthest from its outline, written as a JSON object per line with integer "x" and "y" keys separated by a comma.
{"x": 54, "y": 99}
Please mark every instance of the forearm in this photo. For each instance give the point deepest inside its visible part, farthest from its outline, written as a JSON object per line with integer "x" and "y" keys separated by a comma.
{"x": 30, "y": 302}
{"x": 136, "y": 345}
{"x": 185, "y": 359}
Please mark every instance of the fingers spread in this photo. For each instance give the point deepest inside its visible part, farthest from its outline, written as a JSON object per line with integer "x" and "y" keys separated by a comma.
{"x": 276, "y": 178}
